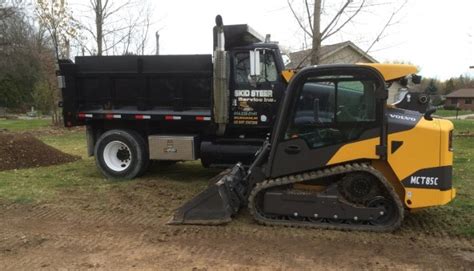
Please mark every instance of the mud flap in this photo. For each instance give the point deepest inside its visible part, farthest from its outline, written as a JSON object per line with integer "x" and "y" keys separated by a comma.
{"x": 217, "y": 204}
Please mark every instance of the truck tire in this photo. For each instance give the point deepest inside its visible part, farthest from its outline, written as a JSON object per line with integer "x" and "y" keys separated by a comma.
{"x": 121, "y": 154}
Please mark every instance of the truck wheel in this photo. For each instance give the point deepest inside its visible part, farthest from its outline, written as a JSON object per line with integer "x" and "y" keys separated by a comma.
{"x": 121, "y": 154}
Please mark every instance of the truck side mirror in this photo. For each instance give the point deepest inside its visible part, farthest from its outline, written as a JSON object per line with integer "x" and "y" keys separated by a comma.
{"x": 254, "y": 63}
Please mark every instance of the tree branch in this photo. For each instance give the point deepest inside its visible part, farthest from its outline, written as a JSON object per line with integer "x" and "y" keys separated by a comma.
{"x": 308, "y": 13}
{"x": 389, "y": 21}
{"x": 338, "y": 14}
{"x": 299, "y": 20}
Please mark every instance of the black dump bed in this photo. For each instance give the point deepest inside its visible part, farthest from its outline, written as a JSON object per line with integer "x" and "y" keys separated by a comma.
{"x": 129, "y": 85}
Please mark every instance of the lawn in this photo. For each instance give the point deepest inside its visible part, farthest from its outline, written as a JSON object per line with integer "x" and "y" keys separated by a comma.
{"x": 463, "y": 126}
{"x": 24, "y": 124}
{"x": 452, "y": 113}
{"x": 462, "y": 207}
{"x": 48, "y": 183}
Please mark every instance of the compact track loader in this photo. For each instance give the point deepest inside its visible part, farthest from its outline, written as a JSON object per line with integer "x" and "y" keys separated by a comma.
{"x": 338, "y": 158}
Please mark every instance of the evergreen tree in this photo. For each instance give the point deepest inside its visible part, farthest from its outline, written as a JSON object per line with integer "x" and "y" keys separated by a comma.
{"x": 431, "y": 89}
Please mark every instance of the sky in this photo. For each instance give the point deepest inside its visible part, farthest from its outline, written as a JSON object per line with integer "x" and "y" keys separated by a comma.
{"x": 437, "y": 36}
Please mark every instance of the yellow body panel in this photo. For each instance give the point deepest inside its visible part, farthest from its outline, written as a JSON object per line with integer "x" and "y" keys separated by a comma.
{"x": 420, "y": 149}
{"x": 364, "y": 149}
{"x": 424, "y": 197}
{"x": 288, "y": 74}
{"x": 424, "y": 146}
{"x": 392, "y": 71}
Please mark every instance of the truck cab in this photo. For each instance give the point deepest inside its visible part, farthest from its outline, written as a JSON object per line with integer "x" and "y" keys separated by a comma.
{"x": 252, "y": 68}
{"x": 248, "y": 87}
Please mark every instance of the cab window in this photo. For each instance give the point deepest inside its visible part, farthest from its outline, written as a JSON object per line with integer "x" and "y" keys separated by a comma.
{"x": 268, "y": 69}
{"x": 333, "y": 110}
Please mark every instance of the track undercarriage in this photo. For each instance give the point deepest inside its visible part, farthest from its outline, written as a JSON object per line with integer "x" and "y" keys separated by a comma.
{"x": 349, "y": 197}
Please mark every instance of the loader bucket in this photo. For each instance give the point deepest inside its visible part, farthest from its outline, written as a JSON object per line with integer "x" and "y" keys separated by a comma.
{"x": 215, "y": 205}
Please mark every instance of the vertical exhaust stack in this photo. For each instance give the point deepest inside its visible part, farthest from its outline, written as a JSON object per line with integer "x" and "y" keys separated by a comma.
{"x": 221, "y": 91}
{"x": 157, "y": 38}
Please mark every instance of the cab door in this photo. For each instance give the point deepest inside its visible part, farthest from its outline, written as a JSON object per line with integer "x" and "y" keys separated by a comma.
{"x": 254, "y": 101}
{"x": 328, "y": 109}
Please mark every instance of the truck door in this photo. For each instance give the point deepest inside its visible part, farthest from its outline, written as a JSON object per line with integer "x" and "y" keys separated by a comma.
{"x": 326, "y": 110}
{"x": 254, "y": 101}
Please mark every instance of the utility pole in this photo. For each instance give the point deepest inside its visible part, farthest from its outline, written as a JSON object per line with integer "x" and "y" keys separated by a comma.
{"x": 157, "y": 36}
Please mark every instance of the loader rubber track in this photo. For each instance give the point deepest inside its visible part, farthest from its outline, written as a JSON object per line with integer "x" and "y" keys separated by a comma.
{"x": 267, "y": 220}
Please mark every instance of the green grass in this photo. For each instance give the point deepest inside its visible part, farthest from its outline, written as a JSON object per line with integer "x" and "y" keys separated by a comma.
{"x": 462, "y": 208}
{"x": 70, "y": 142}
{"x": 19, "y": 125}
{"x": 452, "y": 113}
{"x": 49, "y": 183}
{"x": 463, "y": 126}
{"x": 40, "y": 184}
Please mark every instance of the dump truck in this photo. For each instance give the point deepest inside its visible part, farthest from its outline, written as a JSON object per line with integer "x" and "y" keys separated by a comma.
{"x": 218, "y": 108}
{"x": 176, "y": 107}
{"x": 338, "y": 157}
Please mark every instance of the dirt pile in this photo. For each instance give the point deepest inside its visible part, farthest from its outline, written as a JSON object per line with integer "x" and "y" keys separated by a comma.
{"x": 25, "y": 151}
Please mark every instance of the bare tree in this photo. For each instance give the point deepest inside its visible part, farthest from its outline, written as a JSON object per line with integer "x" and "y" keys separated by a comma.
{"x": 56, "y": 18}
{"x": 9, "y": 11}
{"x": 118, "y": 26}
{"x": 310, "y": 23}
{"x": 389, "y": 23}
{"x": 5, "y": 11}
{"x": 309, "y": 20}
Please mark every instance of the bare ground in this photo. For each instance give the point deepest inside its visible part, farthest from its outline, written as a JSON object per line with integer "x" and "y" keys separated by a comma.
{"x": 124, "y": 228}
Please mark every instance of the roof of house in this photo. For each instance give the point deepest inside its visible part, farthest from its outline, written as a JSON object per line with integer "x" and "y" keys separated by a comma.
{"x": 303, "y": 57}
{"x": 462, "y": 93}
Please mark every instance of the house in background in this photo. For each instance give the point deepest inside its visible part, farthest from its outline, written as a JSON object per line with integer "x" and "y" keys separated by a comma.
{"x": 339, "y": 53}
{"x": 462, "y": 98}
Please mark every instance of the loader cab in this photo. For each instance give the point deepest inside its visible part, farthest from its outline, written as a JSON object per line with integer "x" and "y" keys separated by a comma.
{"x": 325, "y": 109}
{"x": 256, "y": 85}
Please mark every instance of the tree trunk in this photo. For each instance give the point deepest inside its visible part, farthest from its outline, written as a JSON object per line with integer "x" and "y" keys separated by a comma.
{"x": 99, "y": 24}
{"x": 316, "y": 33}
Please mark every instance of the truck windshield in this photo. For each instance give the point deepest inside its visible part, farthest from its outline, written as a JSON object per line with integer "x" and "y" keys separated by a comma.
{"x": 268, "y": 70}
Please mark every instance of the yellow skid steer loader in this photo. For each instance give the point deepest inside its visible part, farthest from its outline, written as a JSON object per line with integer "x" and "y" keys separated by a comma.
{"x": 338, "y": 158}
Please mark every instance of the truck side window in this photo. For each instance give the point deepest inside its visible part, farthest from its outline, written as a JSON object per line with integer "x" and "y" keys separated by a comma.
{"x": 242, "y": 68}
{"x": 333, "y": 111}
{"x": 268, "y": 69}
